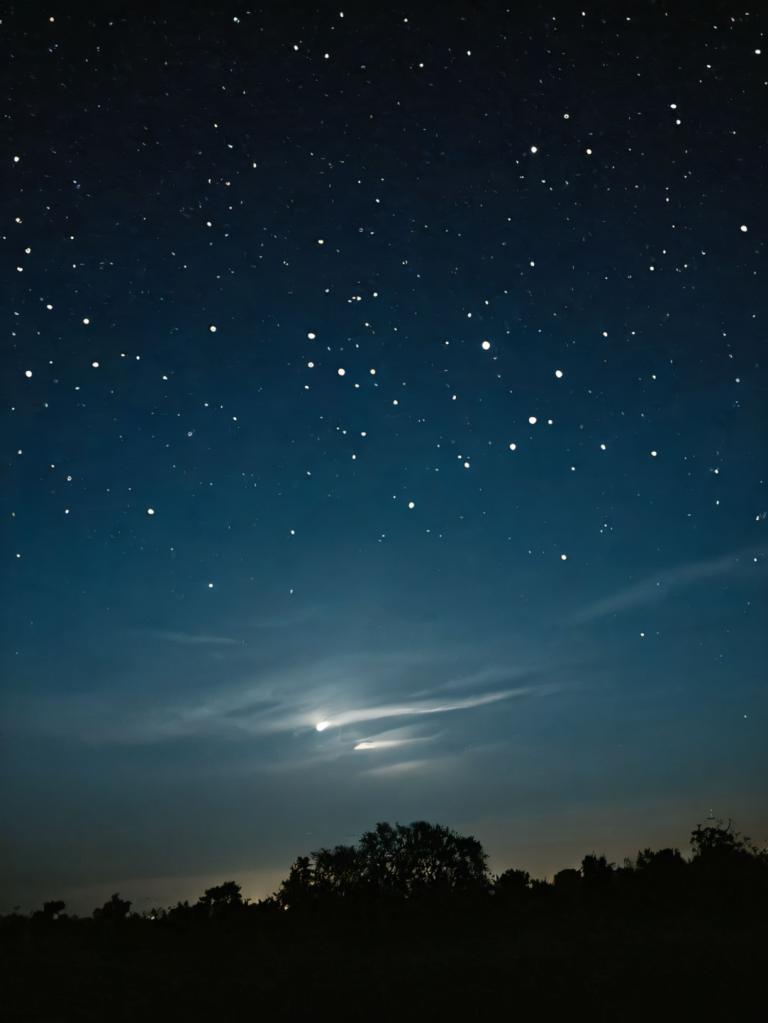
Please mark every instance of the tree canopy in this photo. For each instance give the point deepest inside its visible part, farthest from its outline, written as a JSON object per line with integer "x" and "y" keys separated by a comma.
{"x": 396, "y": 861}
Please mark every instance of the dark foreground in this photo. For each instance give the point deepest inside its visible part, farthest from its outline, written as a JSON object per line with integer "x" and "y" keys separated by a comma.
{"x": 461, "y": 966}
{"x": 409, "y": 925}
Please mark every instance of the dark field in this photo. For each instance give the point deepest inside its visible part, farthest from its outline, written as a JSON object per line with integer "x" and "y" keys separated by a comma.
{"x": 462, "y": 966}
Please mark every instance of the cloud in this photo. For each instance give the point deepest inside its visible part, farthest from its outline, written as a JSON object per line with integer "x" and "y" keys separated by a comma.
{"x": 366, "y": 744}
{"x": 194, "y": 638}
{"x": 270, "y": 697}
{"x": 362, "y": 714}
{"x": 341, "y": 690}
{"x": 271, "y": 716}
{"x": 487, "y": 675}
{"x": 404, "y": 767}
{"x": 659, "y": 586}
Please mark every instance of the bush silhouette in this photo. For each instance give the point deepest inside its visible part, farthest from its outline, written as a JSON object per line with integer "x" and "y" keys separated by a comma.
{"x": 51, "y": 910}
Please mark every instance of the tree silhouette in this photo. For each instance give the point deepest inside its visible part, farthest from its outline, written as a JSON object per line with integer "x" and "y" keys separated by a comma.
{"x": 51, "y": 910}
{"x": 512, "y": 889}
{"x": 338, "y": 871}
{"x": 716, "y": 842}
{"x": 730, "y": 873}
{"x": 115, "y": 909}
{"x": 221, "y": 901}
{"x": 397, "y": 861}
{"x": 226, "y": 894}
{"x": 512, "y": 884}
{"x": 420, "y": 858}
{"x": 660, "y": 879}
{"x": 596, "y": 872}
{"x": 297, "y": 891}
{"x": 661, "y": 863}
{"x": 567, "y": 881}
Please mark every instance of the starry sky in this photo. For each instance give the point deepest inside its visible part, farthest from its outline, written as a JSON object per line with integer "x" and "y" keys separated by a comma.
{"x": 384, "y": 435}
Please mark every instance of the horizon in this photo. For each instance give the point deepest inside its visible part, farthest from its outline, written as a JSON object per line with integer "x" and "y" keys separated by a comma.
{"x": 81, "y": 901}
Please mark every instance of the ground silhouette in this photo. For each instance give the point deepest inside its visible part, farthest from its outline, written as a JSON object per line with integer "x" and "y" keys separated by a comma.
{"x": 410, "y": 924}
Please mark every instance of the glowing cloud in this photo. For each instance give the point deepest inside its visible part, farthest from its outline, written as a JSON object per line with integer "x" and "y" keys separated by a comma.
{"x": 354, "y": 717}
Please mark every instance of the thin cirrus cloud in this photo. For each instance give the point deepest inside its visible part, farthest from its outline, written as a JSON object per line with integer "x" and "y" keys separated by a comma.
{"x": 364, "y": 714}
{"x": 284, "y": 697}
{"x": 271, "y": 719}
{"x": 656, "y": 587}
{"x": 195, "y": 638}
{"x": 373, "y": 744}
{"x": 335, "y": 692}
{"x": 405, "y": 767}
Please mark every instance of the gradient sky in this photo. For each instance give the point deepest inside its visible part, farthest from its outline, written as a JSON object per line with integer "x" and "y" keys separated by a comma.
{"x": 400, "y": 373}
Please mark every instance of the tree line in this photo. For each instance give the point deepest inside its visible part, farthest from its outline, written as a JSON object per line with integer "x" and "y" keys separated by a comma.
{"x": 423, "y": 867}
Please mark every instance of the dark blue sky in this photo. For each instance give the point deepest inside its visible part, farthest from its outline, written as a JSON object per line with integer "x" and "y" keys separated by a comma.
{"x": 470, "y": 472}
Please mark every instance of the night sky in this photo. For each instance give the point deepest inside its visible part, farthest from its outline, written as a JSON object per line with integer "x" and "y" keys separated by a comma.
{"x": 384, "y": 435}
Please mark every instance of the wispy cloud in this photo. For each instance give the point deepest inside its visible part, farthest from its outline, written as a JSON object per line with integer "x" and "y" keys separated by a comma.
{"x": 398, "y": 710}
{"x": 271, "y": 716}
{"x": 487, "y": 675}
{"x": 289, "y": 695}
{"x": 336, "y": 691}
{"x": 193, "y": 638}
{"x": 659, "y": 586}
{"x": 373, "y": 744}
{"x": 405, "y": 767}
